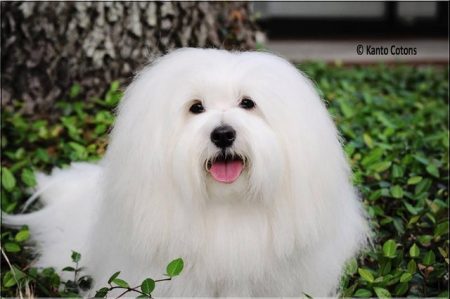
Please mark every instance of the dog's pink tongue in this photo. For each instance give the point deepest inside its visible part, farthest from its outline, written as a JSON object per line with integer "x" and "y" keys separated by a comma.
{"x": 226, "y": 172}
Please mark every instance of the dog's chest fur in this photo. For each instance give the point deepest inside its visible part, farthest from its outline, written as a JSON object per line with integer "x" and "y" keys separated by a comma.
{"x": 235, "y": 246}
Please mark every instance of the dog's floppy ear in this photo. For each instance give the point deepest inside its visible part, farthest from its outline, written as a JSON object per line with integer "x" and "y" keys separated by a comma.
{"x": 138, "y": 153}
{"x": 321, "y": 182}
{"x": 318, "y": 178}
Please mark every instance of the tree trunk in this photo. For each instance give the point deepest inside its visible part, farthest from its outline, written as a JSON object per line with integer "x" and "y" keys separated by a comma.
{"x": 48, "y": 46}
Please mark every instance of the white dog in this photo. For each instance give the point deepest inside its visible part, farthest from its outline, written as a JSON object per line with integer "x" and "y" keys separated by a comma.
{"x": 228, "y": 160}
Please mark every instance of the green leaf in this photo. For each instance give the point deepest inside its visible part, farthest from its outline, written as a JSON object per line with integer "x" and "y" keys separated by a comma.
{"x": 8, "y": 180}
{"x": 12, "y": 277}
{"x": 362, "y": 293}
{"x": 366, "y": 275}
{"x": 414, "y": 251}
{"x": 120, "y": 282}
{"x": 147, "y": 286}
{"x": 382, "y": 293}
{"x": 22, "y": 235}
{"x": 386, "y": 268}
{"x": 101, "y": 293}
{"x": 412, "y": 267}
{"x": 433, "y": 170}
{"x": 373, "y": 156}
{"x": 429, "y": 258}
{"x": 390, "y": 249}
{"x": 8, "y": 280}
{"x": 352, "y": 267}
{"x": 423, "y": 186}
{"x": 75, "y": 256}
{"x": 443, "y": 252}
{"x": 348, "y": 292}
{"x": 381, "y": 166}
{"x": 346, "y": 109}
{"x": 398, "y": 224}
{"x": 401, "y": 289}
{"x": 368, "y": 140}
{"x": 396, "y": 191}
{"x": 421, "y": 159}
{"x": 414, "y": 180}
{"x": 175, "y": 267}
{"x": 11, "y": 247}
{"x": 375, "y": 195}
{"x": 75, "y": 90}
{"x": 69, "y": 269}
{"x": 79, "y": 150}
{"x": 406, "y": 277}
{"x": 413, "y": 219}
{"x": 114, "y": 86}
{"x": 28, "y": 178}
{"x": 397, "y": 171}
{"x": 425, "y": 240}
{"x": 114, "y": 276}
{"x": 441, "y": 229}
{"x": 411, "y": 209}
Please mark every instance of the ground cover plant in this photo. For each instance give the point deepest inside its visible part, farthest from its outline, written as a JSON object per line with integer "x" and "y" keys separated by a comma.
{"x": 394, "y": 124}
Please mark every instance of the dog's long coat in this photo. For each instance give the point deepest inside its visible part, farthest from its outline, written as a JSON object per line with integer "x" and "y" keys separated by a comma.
{"x": 285, "y": 227}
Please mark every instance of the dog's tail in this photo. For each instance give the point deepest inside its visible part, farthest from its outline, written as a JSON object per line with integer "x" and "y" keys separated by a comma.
{"x": 50, "y": 189}
{"x": 70, "y": 197}
{"x": 19, "y": 220}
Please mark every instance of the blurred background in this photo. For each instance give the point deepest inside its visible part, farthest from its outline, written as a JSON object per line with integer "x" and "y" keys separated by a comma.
{"x": 331, "y": 31}
{"x": 46, "y": 47}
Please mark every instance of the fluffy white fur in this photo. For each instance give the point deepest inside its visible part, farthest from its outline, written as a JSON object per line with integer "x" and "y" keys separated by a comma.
{"x": 284, "y": 228}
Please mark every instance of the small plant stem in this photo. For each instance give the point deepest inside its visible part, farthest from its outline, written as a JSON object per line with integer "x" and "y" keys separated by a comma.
{"x": 135, "y": 289}
{"x": 164, "y": 279}
{"x": 13, "y": 272}
{"x": 130, "y": 290}
{"x": 75, "y": 273}
{"x": 127, "y": 290}
{"x": 40, "y": 285}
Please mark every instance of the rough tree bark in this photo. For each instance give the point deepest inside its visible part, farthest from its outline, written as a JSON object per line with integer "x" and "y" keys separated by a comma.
{"x": 46, "y": 47}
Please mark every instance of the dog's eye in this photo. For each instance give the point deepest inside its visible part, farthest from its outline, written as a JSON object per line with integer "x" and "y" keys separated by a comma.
{"x": 246, "y": 103}
{"x": 197, "y": 108}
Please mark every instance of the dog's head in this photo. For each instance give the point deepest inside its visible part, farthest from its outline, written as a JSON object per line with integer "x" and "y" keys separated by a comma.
{"x": 217, "y": 125}
{"x": 208, "y": 139}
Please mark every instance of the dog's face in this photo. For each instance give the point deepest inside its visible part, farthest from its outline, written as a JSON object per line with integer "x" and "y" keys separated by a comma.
{"x": 217, "y": 125}
{"x": 222, "y": 141}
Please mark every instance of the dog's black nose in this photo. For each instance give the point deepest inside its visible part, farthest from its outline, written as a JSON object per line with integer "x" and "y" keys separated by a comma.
{"x": 223, "y": 136}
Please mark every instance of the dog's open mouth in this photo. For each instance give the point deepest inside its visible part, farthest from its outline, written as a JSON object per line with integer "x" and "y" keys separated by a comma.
{"x": 226, "y": 168}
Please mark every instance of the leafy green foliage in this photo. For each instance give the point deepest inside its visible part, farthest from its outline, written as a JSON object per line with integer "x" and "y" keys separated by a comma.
{"x": 46, "y": 281}
{"x": 393, "y": 122}
{"x": 146, "y": 287}
{"x": 77, "y": 133}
